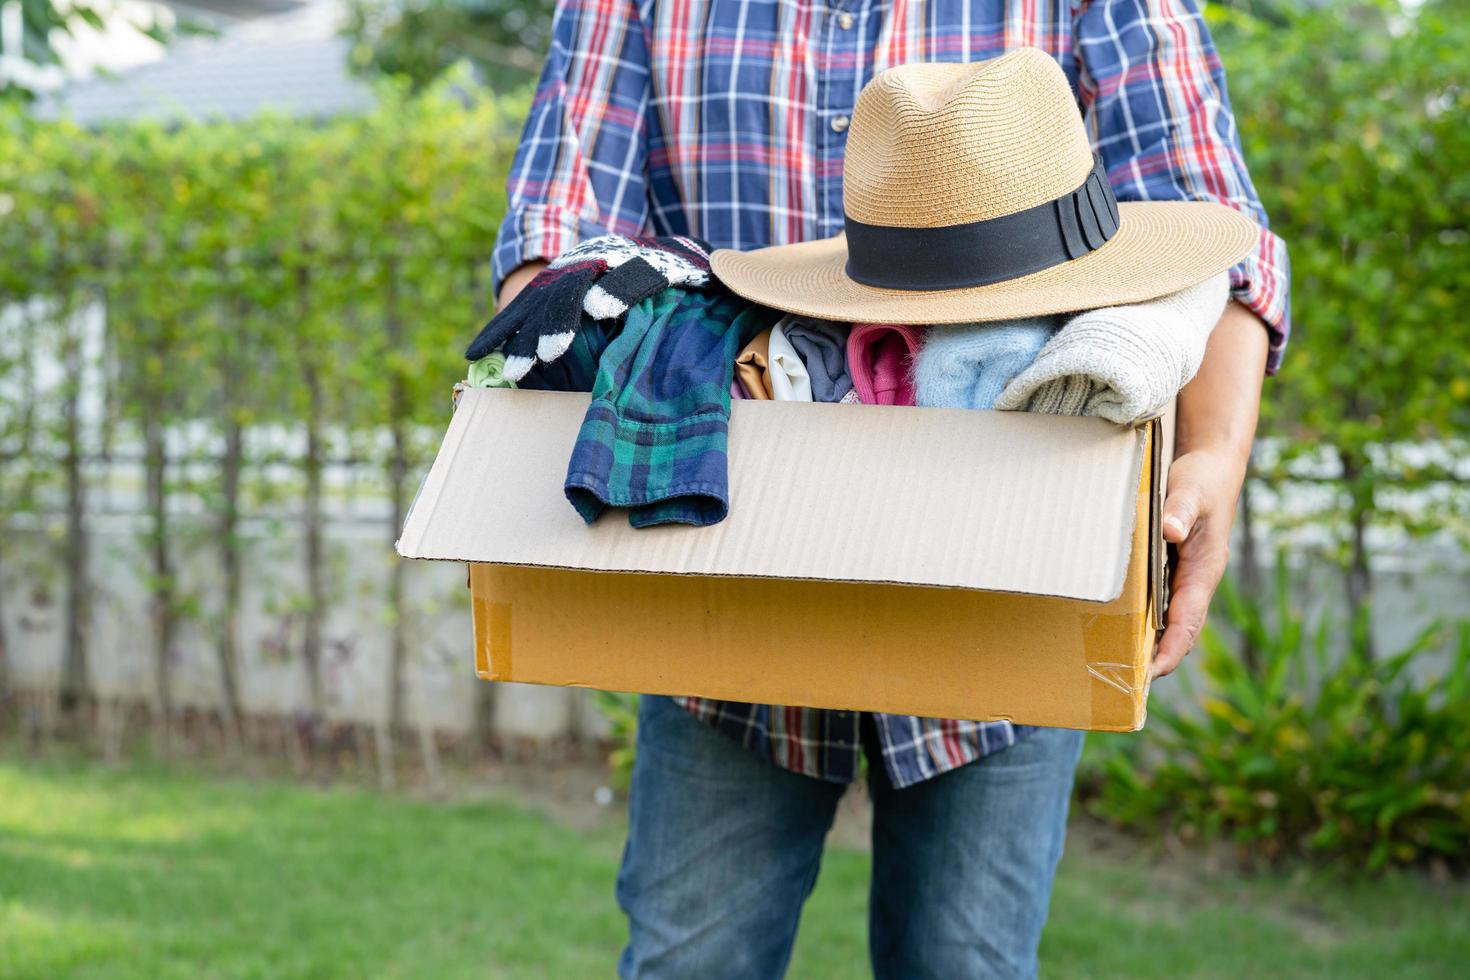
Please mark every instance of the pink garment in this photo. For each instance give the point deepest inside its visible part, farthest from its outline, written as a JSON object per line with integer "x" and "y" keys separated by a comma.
{"x": 736, "y": 392}
{"x": 880, "y": 357}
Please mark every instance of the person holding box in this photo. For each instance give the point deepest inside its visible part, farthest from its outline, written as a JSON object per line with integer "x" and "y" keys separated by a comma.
{"x": 726, "y": 121}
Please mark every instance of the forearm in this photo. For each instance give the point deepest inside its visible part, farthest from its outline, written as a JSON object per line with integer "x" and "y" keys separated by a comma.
{"x": 1216, "y": 424}
{"x": 516, "y": 280}
{"x": 586, "y": 119}
{"x": 1219, "y": 408}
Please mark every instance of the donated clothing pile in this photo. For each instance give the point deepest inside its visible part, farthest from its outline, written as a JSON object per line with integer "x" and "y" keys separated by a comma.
{"x": 663, "y": 347}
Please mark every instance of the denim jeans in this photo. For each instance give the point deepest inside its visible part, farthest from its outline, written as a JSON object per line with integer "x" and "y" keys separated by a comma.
{"x": 724, "y": 847}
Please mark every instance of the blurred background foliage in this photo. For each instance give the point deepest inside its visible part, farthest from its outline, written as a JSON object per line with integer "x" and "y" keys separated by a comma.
{"x": 323, "y": 275}
{"x": 1299, "y": 736}
{"x": 316, "y": 275}
{"x": 503, "y": 41}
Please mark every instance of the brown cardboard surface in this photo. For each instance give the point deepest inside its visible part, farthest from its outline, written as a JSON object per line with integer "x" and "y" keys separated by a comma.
{"x": 994, "y": 501}
{"x": 942, "y": 652}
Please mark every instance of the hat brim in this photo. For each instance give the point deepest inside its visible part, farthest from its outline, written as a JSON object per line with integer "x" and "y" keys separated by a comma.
{"x": 1160, "y": 247}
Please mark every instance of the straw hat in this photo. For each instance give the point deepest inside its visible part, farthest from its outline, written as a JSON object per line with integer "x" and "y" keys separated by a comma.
{"x": 971, "y": 194}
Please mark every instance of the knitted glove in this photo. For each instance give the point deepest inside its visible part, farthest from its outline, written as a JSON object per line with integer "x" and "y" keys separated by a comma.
{"x": 967, "y": 365}
{"x": 551, "y": 302}
{"x": 599, "y": 278}
{"x": 1121, "y": 363}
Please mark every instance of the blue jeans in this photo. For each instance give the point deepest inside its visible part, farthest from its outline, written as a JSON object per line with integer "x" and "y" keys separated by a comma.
{"x": 724, "y": 847}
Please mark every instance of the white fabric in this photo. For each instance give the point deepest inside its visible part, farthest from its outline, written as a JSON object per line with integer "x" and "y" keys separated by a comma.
{"x": 789, "y": 379}
{"x": 600, "y": 304}
{"x": 1122, "y": 363}
{"x": 517, "y": 366}
{"x": 550, "y": 346}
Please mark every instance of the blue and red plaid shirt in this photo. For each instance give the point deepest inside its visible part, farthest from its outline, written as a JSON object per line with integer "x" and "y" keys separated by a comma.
{"x": 727, "y": 119}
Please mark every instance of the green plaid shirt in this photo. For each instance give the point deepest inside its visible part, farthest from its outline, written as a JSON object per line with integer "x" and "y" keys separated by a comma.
{"x": 654, "y": 438}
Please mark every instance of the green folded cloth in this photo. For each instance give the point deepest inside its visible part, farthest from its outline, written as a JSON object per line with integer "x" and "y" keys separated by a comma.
{"x": 489, "y": 372}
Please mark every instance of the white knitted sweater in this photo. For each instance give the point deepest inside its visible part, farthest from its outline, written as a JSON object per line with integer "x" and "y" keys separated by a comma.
{"x": 1122, "y": 363}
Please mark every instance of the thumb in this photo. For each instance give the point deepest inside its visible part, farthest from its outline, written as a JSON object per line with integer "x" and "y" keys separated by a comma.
{"x": 1181, "y": 511}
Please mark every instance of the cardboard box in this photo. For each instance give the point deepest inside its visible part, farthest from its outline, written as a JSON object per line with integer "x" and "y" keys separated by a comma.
{"x": 923, "y": 561}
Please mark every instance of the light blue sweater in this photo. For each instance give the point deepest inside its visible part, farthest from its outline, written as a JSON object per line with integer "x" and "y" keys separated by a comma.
{"x": 965, "y": 365}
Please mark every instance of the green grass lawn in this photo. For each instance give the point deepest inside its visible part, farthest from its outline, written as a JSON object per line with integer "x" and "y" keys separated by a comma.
{"x": 150, "y": 874}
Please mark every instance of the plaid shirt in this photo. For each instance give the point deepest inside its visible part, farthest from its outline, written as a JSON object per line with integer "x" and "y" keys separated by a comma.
{"x": 726, "y": 120}
{"x": 657, "y": 448}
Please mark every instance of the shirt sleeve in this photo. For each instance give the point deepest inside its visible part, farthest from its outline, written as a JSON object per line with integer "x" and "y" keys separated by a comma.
{"x": 1153, "y": 95}
{"x": 580, "y": 168}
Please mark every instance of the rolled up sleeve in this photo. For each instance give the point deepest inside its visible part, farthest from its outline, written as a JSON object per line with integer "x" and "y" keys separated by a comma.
{"x": 580, "y": 168}
{"x": 1153, "y": 95}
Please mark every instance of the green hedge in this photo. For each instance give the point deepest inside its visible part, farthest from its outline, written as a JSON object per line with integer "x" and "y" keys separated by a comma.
{"x": 228, "y": 254}
{"x": 1324, "y": 751}
{"x": 320, "y": 274}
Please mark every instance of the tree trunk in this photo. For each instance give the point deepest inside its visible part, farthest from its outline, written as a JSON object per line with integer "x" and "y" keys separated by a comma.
{"x": 4, "y": 649}
{"x": 75, "y": 682}
{"x": 1359, "y": 573}
{"x": 229, "y": 540}
{"x": 398, "y": 409}
{"x": 312, "y": 532}
{"x": 161, "y": 599}
{"x": 112, "y": 715}
{"x": 1249, "y": 565}
{"x": 484, "y": 714}
{"x": 398, "y": 654}
{"x": 23, "y": 403}
{"x": 312, "y": 521}
{"x": 232, "y": 464}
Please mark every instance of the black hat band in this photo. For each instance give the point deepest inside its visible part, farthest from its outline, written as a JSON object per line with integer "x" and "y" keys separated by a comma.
{"x": 979, "y": 253}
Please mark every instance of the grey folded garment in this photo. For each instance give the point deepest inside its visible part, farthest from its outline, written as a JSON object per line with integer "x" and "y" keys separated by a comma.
{"x": 822, "y": 347}
{"x": 1121, "y": 363}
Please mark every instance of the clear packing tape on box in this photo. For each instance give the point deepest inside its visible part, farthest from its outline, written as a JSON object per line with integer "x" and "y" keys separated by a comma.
{"x": 940, "y": 562}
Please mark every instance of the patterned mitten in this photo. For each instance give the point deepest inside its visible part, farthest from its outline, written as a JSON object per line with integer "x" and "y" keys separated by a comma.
{"x": 552, "y": 301}
{"x": 600, "y": 278}
{"x": 641, "y": 267}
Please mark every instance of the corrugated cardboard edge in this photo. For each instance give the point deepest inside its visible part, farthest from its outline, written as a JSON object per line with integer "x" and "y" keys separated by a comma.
{"x": 432, "y": 486}
{"x": 1157, "y": 554}
{"x": 434, "y": 479}
{"x": 1162, "y": 453}
{"x": 1161, "y": 432}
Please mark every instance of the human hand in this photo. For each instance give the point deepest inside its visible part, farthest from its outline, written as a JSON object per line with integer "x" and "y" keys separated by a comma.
{"x": 1199, "y": 510}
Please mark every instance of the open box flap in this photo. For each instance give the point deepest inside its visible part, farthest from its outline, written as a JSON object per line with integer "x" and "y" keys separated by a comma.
{"x": 998, "y": 501}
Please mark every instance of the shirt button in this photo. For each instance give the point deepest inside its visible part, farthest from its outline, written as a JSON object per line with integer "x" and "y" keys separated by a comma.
{"x": 845, "y": 21}
{"x": 839, "y": 123}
